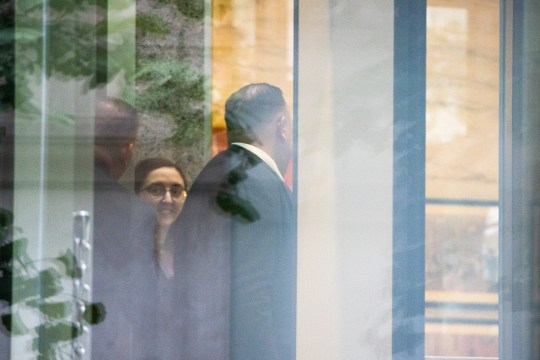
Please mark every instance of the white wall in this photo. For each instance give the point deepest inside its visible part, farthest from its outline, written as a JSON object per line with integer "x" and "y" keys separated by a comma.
{"x": 345, "y": 106}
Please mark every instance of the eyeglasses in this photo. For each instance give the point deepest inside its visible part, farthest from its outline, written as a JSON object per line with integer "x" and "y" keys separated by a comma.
{"x": 159, "y": 190}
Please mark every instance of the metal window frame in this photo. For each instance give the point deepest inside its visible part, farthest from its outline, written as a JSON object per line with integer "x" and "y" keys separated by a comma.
{"x": 408, "y": 319}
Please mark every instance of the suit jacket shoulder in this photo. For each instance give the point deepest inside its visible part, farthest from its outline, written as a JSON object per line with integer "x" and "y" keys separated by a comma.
{"x": 237, "y": 245}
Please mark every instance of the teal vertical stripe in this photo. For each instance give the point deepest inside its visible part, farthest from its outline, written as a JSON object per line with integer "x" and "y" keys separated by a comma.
{"x": 517, "y": 337}
{"x": 295, "y": 152}
{"x": 408, "y": 278}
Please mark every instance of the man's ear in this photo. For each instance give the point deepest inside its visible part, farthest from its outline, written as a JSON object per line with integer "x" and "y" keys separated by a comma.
{"x": 281, "y": 128}
{"x": 126, "y": 150}
{"x": 128, "y": 147}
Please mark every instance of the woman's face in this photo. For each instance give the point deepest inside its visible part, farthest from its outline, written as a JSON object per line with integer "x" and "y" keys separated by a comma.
{"x": 164, "y": 189}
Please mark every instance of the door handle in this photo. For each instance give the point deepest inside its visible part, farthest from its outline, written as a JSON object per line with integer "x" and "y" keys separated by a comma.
{"x": 82, "y": 290}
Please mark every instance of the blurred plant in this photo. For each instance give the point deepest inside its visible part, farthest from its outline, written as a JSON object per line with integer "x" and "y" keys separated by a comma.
{"x": 148, "y": 24}
{"x": 26, "y": 289}
{"x": 173, "y": 87}
{"x": 55, "y": 38}
{"x": 192, "y": 9}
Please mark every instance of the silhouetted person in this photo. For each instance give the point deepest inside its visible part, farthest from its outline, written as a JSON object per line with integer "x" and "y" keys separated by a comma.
{"x": 123, "y": 268}
{"x": 236, "y": 266}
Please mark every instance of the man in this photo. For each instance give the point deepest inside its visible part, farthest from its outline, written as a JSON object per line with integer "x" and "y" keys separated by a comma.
{"x": 123, "y": 271}
{"x": 236, "y": 260}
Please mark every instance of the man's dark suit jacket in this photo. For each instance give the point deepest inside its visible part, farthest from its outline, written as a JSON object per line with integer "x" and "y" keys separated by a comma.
{"x": 236, "y": 263}
{"x": 124, "y": 273}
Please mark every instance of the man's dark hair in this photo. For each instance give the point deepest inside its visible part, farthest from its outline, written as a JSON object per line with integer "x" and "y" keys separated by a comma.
{"x": 116, "y": 122}
{"x": 146, "y": 166}
{"x": 249, "y": 108}
{"x": 115, "y": 132}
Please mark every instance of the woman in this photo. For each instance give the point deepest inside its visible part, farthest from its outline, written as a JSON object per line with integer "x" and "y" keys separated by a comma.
{"x": 162, "y": 184}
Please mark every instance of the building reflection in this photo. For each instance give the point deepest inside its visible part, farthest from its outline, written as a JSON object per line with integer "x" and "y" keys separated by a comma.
{"x": 462, "y": 184}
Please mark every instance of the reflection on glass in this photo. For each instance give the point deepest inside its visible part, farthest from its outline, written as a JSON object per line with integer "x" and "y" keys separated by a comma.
{"x": 462, "y": 182}
{"x": 462, "y": 100}
{"x": 462, "y": 248}
{"x": 461, "y": 278}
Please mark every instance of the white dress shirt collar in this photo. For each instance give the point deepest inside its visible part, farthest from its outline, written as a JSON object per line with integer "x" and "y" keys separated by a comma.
{"x": 262, "y": 155}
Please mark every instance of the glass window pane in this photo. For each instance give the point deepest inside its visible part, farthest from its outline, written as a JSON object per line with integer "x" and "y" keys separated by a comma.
{"x": 111, "y": 114}
{"x": 462, "y": 98}
{"x": 462, "y": 181}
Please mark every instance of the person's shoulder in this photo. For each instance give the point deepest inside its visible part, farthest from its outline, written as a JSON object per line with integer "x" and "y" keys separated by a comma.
{"x": 214, "y": 171}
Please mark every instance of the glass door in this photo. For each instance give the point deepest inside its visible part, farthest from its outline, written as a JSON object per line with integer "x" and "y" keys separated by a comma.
{"x": 48, "y": 198}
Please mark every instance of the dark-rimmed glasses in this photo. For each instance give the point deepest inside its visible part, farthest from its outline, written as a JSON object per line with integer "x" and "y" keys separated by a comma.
{"x": 159, "y": 190}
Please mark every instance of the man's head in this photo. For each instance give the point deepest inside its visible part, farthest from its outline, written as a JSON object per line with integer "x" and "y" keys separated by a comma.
{"x": 115, "y": 129}
{"x": 257, "y": 114}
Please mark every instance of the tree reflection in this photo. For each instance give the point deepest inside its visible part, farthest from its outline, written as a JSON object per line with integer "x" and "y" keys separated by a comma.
{"x": 53, "y": 38}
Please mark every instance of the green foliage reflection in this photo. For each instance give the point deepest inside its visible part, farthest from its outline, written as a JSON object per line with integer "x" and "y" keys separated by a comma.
{"x": 29, "y": 289}
{"x": 57, "y": 38}
{"x": 173, "y": 87}
{"x": 192, "y": 9}
{"x": 151, "y": 24}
